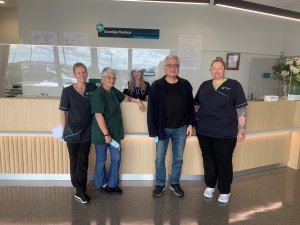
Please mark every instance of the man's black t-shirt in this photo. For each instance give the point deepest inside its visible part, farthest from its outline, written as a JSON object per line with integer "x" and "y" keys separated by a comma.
{"x": 174, "y": 112}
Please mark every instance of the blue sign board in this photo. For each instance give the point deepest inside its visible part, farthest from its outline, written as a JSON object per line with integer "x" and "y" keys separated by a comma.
{"x": 115, "y": 32}
{"x": 266, "y": 75}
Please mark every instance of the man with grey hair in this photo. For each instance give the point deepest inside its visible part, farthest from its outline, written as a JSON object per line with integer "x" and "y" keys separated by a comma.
{"x": 170, "y": 116}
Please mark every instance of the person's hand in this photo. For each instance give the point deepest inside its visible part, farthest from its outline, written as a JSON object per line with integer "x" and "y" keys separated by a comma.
{"x": 189, "y": 130}
{"x": 194, "y": 132}
{"x": 241, "y": 136}
{"x": 108, "y": 139}
{"x": 141, "y": 105}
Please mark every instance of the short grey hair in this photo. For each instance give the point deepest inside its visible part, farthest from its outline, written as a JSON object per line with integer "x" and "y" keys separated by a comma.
{"x": 172, "y": 57}
{"x": 107, "y": 70}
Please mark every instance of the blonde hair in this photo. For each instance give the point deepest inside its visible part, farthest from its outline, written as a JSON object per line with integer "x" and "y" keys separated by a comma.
{"x": 79, "y": 64}
{"x": 131, "y": 83}
{"x": 218, "y": 59}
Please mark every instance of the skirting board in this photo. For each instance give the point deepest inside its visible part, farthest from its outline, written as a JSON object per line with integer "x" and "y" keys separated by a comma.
{"x": 128, "y": 177}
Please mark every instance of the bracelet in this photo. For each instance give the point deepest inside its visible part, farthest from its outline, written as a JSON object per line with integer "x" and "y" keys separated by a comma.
{"x": 106, "y": 134}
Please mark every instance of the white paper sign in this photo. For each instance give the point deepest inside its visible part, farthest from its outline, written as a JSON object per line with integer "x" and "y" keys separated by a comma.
{"x": 43, "y": 38}
{"x": 189, "y": 50}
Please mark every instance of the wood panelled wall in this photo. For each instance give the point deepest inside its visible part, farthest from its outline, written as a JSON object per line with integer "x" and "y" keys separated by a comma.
{"x": 23, "y": 152}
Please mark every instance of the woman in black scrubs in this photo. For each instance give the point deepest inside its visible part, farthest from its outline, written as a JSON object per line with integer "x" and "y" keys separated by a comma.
{"x": 76, "y": 120}
{"x": 137, "y": 87}
{"x": 220, "y": 123}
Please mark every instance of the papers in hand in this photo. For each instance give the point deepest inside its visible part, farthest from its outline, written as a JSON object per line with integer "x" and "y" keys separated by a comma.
{"x": 156, "y": 139}
{"x": 57, "y": 131}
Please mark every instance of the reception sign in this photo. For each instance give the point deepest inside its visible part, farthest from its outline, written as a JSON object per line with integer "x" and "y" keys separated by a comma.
{"x": 115, "y": 32}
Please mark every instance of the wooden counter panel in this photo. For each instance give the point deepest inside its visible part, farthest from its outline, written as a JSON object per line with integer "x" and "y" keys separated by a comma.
{"x": 268, "y": 116}
{"x": 43, "y": 114}
{"x": 46, "y": 155}
{"x": 297, "y": 115}
{"x": 294, "y": 158}
{"x": 23, "y": 154}
{"x": 262, "y": 150}
{"x": 29, "y": 114}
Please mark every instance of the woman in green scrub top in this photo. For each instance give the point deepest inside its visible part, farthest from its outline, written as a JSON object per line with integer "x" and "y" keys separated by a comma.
{"x": 108, "y": 131}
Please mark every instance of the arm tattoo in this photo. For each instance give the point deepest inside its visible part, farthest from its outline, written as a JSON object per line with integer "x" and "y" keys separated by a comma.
{"x": 242, "y": 115}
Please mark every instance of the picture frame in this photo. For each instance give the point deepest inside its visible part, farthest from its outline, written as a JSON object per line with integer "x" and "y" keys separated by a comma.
{"x": 233, "y": 61}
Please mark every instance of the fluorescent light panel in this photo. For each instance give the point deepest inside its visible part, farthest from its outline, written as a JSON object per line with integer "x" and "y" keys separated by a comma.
{"x": 185, "y": 2}
{"x": 2, "y": 2}
{"x": 259, "y": 9}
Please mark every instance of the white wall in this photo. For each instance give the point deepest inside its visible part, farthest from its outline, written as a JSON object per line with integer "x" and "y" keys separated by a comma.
{"x": 223, "y": 30}
{"x": 9, "y": 30}
{"x": 292, "y": 39}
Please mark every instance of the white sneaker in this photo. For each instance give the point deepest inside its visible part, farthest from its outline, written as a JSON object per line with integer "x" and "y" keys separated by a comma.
{"x": 223, "y": 198}
{"x": 208, "y": 193}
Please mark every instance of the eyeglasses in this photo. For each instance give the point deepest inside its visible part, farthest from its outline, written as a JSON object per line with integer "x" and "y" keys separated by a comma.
{"x": 110, "y": 78}
{"x": 176, "y": 66}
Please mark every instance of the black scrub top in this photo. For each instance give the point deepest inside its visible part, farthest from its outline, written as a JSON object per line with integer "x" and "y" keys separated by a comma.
{"x": 79, "y": 117}
{"x": 217, "y": 116}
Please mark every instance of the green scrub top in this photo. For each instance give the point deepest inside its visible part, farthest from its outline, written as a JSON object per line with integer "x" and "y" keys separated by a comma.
{"x": 107, "y": 103}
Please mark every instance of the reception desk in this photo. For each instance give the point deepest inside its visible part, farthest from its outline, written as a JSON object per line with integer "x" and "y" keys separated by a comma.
{"x": 28, "y": 149}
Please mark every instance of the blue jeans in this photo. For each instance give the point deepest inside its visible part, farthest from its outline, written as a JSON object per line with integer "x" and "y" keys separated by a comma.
{"x": 178, "y": 139}
{"x": 100, "y": 176}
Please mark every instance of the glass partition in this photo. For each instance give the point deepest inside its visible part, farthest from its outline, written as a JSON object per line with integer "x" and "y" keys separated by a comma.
{"x": 43, "y": 71}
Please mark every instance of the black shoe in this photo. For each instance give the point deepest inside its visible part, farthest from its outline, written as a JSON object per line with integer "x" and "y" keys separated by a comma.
{"x": 117, "y": 190}
{"x": 81, "y": 197}
{"x": 158, "y": 190}
{"x": 106, "y": 189}
{"x": 88, "y": 197}
{"x": 177, "y": 190}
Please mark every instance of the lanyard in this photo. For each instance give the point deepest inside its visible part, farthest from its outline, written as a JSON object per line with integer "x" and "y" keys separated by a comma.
{"x": 137, "y": 91}
{"x": 117, "y": 102}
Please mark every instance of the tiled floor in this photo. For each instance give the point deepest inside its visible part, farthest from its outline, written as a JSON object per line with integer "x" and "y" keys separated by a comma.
{"x": 271, "y": 198}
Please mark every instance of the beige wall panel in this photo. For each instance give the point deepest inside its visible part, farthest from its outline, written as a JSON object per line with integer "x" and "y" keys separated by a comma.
{"x": 192, "y": 159}
{"x": 49, "y": 156}
{"x": 261, "y": 151}
{"x": 29, "y": 114}
{"x": 33, "y": 155}
{"x": 138, "y": 156}
{"x": 42, "y": 115}
{"x": 265, "y": 116}
{"x": 134, "y": 121}
{"x": 297, "y": 115}
{"x": 294, "y": 158}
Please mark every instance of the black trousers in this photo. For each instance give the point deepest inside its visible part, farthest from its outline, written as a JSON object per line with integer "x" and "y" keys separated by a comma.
{"x": 79, "y": 162}
{"x": 217, "y": 161}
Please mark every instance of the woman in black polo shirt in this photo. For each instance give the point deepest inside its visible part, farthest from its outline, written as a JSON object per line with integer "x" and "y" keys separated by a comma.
{"x": 220, "y": 123}
{"x": 76, "y": 120}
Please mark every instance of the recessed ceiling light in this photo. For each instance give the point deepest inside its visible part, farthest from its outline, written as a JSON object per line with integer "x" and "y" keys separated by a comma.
{"x": 2, "y": 2}
{"x": 185, "y": 2}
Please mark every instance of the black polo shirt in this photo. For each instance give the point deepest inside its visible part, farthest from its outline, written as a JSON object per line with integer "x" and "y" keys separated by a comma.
{"x": 217, "y": 115}
{"x": 79, "y": 118}
{"x": 137, "y": 92}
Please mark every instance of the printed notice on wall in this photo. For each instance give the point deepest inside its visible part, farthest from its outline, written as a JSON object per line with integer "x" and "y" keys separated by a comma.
{"x": 76, "y": 39}
{"x": 189, "y": 50}
{"x": 43, "y": 38}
